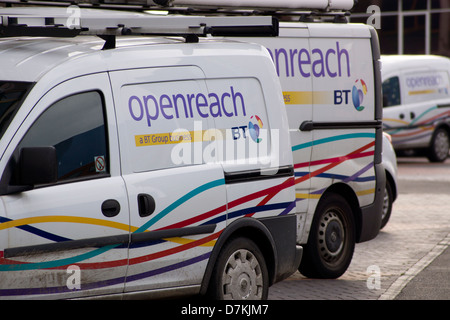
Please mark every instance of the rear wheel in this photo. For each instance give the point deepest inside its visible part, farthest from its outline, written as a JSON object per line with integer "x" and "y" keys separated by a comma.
{"x": 331, "y": 243}
{"x": 440, "y": 146}
{"x": 240, "y": 272}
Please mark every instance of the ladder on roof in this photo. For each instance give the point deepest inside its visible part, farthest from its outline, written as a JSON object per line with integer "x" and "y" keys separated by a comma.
{"x": 59, "y": 22}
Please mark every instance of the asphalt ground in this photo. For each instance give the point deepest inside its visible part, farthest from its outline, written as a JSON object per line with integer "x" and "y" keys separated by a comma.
{"x": 408, "y": 260}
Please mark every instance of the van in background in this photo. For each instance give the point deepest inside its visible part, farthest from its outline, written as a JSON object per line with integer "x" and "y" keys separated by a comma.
{"x": 416, "y": 101}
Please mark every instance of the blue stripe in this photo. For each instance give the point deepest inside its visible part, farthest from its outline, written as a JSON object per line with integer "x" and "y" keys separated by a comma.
{"x": 38, "y": 232}
{"x": 335, "y": 176}
{"x": 243, "y": 212}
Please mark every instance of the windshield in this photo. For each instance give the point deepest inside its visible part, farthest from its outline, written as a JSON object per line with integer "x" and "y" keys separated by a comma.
{"x": 11, "y": 96}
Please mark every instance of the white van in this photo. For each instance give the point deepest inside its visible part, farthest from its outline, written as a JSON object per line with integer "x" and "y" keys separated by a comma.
{"x": 416, "y": 102}
{"x": 154, "y": 166}
{"x": 330, "y": 76}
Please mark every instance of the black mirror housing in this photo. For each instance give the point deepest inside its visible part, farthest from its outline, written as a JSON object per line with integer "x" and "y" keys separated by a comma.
{"x": 37, "y": 165}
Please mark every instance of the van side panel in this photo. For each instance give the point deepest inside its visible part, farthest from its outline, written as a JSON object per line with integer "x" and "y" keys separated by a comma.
{"x": 204, "y": 145}
{"x": 330, "y": 79}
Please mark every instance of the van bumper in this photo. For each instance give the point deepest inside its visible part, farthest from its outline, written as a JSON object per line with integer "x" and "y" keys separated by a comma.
{"x": 287, "y": 253}
{"x": 371, "y": 215}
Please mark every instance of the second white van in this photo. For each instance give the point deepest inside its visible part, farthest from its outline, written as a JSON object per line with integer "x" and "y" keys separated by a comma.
{"x": 416, "y": 98}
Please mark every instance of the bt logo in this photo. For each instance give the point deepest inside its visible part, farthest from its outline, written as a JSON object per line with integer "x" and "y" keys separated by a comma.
{"x": 358, "y": 93}
{"x": 253, "y": 129}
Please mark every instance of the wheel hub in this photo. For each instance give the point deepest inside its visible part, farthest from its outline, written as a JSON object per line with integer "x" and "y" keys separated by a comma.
{"x": 331, "y": 236}
{"x": 242, "y": 276}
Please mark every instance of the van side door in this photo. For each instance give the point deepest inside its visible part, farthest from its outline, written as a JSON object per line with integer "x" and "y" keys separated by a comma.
{"x": 177, "y": 201}
{"x": 344, "y": 111}
{"x": 67, "y": 237}
{"x": 291, "y": 56}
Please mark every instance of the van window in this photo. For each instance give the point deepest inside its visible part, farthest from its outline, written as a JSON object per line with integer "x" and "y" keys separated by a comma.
{"x": 391, "y": 92}
{"x": 75, "y": 126}
{"x": 11, "y": 94}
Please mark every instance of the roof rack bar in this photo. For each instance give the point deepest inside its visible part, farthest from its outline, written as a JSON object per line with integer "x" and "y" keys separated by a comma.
{"x": 56, "y": 23}
{"x": 263, "y": 4}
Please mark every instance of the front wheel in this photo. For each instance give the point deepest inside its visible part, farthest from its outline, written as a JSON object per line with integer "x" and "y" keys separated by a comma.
{"x": 331, "y": 242}
{"x": 240, "y": 272}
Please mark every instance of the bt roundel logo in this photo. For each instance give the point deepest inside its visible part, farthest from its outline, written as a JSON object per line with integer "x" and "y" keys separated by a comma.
{"x": 359, "y": 91}
{"x": 254, "y": 128}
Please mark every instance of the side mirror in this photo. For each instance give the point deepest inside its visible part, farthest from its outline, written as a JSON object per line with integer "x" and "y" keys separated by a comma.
{"x": 37, "y": 165}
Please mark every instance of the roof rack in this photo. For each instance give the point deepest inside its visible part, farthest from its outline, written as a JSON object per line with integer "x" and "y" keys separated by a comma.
{"x": 235, "y": 5}
{"x": 61, "y": 22}
{"x": 262, "y": 4}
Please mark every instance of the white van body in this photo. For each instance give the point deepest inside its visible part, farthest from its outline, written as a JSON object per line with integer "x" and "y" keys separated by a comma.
{"x": 167, "y": 153}
{"x": 417, "y": 103}
{"x": 330, "y": 76}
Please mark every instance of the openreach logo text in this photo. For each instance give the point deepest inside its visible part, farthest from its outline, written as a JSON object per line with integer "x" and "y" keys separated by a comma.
{"x": 301, "y": 62}
{"x": 192, "y": 105}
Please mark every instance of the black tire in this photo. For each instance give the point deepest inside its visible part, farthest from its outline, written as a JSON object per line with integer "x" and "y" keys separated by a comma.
{"x": 387, "y": 205}
{"x": 331, "y": 242}
{"x": 240, "y": 272}
{"x": 439, "y": 146}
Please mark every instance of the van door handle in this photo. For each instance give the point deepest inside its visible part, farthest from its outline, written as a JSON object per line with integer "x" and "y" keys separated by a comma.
{"x": 412, "y": 115}
{"x": 110, "y": 208}
{"x": 146, "y": 204}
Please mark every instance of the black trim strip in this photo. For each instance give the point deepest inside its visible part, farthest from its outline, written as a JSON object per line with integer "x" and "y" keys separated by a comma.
{"x": 123, "y": 239}
{"x": 312, "y": 125}
{"x": 258, "y": 174}
{"x": 171, "y": 233}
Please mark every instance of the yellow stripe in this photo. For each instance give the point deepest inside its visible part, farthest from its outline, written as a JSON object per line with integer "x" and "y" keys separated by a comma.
{"x": 395, "y": 120}
{"x": 317, "y": 196}
{"x": 69, "y": 219}
{"x": 307, "y": 196}
{"x": 412, "y": 93}
{"x": 365, "y": 192}
{"x": 308, "y": 97}
{"x": 179, "y": 137}
{"x": 99, "y": 222}
{"x": 186, "y": 241}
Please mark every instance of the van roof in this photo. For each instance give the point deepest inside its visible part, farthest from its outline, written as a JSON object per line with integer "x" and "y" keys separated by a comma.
{"x": 28, "y": 59}
{"x": 393, "y": 63}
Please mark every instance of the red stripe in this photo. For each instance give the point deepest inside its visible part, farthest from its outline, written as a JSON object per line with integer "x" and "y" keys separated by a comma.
{"x": 341, "y": 159}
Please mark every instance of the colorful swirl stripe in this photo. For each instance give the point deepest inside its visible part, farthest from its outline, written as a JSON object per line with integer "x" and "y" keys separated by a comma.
{"x": 269, "y": 193}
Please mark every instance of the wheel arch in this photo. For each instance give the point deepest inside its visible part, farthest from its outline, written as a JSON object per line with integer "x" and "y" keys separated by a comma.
{"x": 250, "y": 228}
{"x": 391, "y": 181}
